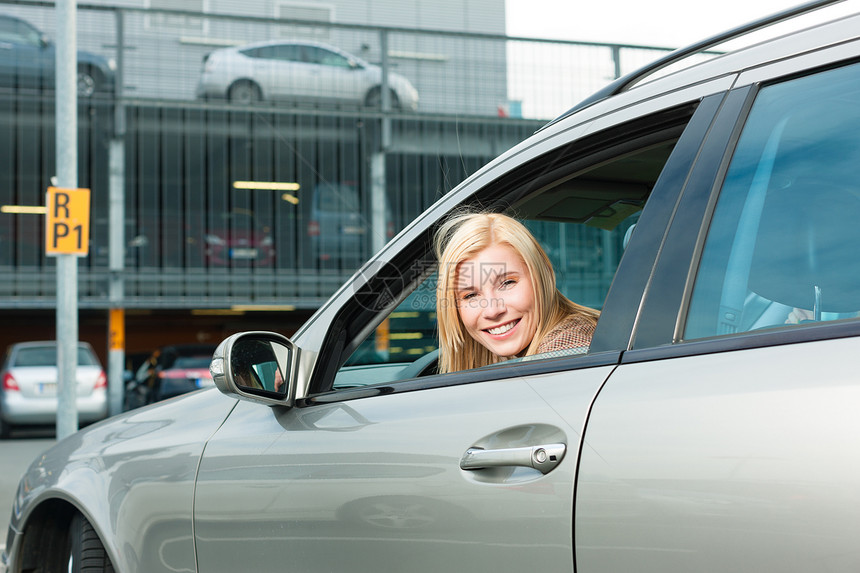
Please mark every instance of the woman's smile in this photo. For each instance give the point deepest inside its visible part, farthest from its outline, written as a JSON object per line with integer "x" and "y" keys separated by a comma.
{"x": 503, "y": 329}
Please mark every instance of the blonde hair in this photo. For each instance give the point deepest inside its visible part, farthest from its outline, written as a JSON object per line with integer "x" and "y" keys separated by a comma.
{"x": 462, "y": 237}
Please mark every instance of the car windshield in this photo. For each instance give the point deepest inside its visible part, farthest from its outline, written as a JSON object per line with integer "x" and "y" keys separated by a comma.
{"x": 47, "y": 356}
{"x": 337, "y": 198}
{"x": 17, "y": 32}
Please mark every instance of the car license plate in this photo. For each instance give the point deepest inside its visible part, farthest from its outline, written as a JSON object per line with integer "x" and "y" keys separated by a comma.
{"x": 47, "y": 388}
{"x": 244, "y": 253}
{"x": 349, "y": 230}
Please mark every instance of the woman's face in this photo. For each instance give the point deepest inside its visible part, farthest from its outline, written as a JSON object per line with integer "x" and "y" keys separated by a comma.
{"x": 496, "y": 301}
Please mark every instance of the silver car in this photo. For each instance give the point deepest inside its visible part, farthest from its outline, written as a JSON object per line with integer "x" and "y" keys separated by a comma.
{"x": 710, "y": 213}
{"x": 29, "y": 389}
{"x": 298, "y": 71}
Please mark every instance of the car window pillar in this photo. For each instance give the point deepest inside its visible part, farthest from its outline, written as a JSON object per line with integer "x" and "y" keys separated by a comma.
{"x": 657, "y": 320}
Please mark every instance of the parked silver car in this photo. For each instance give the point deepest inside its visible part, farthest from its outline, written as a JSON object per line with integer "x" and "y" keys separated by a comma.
{"x": 28, "y": 396}
{"x": 299, "y": 71}
{"x": 710, "y": 426}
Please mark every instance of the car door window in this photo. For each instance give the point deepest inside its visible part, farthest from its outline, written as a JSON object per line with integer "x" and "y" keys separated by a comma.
{"x": 325, "y": 57}
{"x": 583, "y": 220}
{"x": 287, "y": 53}
{"x": 584, "y": 259}
{"x": 781, "y": 248}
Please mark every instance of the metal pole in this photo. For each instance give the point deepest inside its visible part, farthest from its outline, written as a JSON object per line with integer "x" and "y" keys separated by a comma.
{"x": 378, "y": 201}
{"x": 67, "y": 177}
{"x": 616, "y": 61}
{"x": 378, "y": 185}
{"x": 116, "y": 245}
{"x": 386, "y": 91}
{"x": 116, "y": 288}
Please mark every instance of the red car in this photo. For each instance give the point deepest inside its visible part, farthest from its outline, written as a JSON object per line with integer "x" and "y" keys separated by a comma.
{"x": 238, "y": 238}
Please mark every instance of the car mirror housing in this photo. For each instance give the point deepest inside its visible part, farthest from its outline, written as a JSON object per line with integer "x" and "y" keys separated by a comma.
{"x": 256, "y": 366}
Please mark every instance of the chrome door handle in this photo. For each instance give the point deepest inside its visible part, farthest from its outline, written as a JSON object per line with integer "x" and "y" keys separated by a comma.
{"x": 542, "y": 458}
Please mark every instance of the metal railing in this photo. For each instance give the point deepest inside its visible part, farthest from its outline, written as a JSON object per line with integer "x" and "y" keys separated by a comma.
{"x": 160, "y": 56}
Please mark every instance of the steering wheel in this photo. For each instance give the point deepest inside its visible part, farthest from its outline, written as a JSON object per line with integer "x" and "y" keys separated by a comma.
{"x": 424, "y": 366}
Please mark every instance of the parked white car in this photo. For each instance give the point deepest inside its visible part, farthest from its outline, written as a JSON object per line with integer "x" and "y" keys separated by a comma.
{"x": 28, "y": 395}
{"x": 298, "y": 71}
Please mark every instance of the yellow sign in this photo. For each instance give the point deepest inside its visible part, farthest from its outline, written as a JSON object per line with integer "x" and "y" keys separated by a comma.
{"x": 67, "y": 227}
{"x": 117, "y": 329}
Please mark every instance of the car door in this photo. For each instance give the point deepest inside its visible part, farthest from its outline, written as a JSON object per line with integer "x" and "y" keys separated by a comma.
{"x": 726, "y": 440}
{"x": 379, "y": 473}
{"x": 377, "y": 481}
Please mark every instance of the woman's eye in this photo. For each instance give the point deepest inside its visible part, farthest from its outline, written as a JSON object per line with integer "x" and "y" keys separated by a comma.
{"x": 469, "y": 295}
{"x": 508, "y": 283}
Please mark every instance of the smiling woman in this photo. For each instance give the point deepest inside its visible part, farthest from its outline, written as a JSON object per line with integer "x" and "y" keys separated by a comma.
{"x": 497, "y": 297}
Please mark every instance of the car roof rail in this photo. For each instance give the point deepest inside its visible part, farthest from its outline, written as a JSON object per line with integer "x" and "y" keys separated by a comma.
{"x": 627, "y": 81}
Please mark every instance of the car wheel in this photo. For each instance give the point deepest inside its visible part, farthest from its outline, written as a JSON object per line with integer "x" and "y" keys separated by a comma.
{"x": 244, "y": 92}
{"x": 374, "y": 99}
{"x": 88, "y": 83}
{"x": 86, "y": 551}
{"x": 5, "y": 429}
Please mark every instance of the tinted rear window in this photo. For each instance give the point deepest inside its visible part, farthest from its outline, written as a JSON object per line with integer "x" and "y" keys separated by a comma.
{"x": 47, "y": 356}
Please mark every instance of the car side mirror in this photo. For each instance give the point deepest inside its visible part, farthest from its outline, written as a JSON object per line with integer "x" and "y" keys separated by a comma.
{"x": 256, "y": 366}
{"x": 45, "y": 40}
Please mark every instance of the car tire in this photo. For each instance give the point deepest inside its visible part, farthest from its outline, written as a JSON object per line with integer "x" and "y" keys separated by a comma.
{"x": 374, "y": 99}
{"x": 244, "y": 92}
{"x": 5, "y": 429}
{"x": 86, "y": 551}
{"x": 89, "y": 82}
